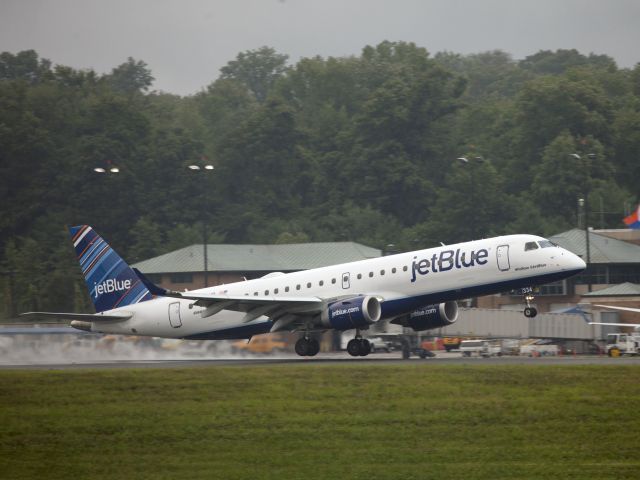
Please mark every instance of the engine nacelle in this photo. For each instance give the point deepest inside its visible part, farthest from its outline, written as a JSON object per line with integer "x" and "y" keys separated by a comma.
{"x": 431, "y": 316}
{"x": 355, "y": 312}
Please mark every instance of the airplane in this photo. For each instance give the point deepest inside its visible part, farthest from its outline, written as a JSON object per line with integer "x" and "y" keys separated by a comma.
{"x": 417, "y": 289}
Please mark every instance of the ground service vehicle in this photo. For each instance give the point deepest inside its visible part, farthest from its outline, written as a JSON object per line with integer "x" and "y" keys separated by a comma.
{"x": 451, "y": 343}
{"x": 481, "y": 348}
{"x": 265, "y": 344}
{"x": 623, "y": 344}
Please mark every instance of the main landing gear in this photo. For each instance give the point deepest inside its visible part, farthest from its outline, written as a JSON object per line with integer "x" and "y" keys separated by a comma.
{"x": 359, "y": 347}
{"x": 529, "y": 311}
{"x": 307, "y": 347}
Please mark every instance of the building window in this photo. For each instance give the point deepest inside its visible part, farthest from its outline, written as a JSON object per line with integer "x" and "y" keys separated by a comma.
{"x": 624, "y": 273}
{"x": 555, "y": 288}
{"x": 154, "y": 277}
{"x": 596, "y": 273}
{"x": 181, "y": 278}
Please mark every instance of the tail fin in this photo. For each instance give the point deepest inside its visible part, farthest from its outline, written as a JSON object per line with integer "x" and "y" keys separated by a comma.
{"x": 111, "y": 282}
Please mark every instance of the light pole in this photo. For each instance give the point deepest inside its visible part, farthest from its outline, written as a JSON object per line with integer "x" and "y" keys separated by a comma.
{"x": 196, "y": 168}
{"x": 584, "y": 203}
{"x": 472, "y": 187}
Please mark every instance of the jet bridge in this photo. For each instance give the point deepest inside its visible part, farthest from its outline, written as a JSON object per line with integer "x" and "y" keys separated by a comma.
{"x": 479, "y": 322}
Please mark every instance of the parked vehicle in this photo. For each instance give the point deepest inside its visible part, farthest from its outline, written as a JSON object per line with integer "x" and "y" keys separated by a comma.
{"x": 623, "y": 344}
{"x": 265, "y": 344}
{"x": 481, "y": 348}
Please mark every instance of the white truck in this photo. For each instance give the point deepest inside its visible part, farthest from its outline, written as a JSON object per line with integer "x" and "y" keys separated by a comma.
{"x": 480, "y": 348}
{"x": 623, "y": 344}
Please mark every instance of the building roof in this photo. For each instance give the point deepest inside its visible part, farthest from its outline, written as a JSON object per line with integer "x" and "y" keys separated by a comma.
{"x": 621, "y": 290}
{"x": 602, "y": 249}
{"x": 260, "y": 258}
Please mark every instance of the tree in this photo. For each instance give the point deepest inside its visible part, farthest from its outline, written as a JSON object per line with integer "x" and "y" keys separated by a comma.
{"x": 131, "y": 77}
{"x": 257, "y": 70}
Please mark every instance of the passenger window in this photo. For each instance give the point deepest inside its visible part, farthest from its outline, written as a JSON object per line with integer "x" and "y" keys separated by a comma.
{"x": 286, "y": 289}
{"x": 297, "y": 287}
{"x": 275, "y": 292}
{"x": 530, "y": 246}
{"x": 333, "y": 280}
{"x": 359, "y": 276}
{"x": 321, "y": 282}
{"x": 381, "y": 272}
{"x": 266, "y": 292}
{"x": 309, "y": 285}
{"x": 255, "y": 294}
{"x": 405, "y": 268}
{"x": 393, "y": 270}
{"x": 371, "y": 274}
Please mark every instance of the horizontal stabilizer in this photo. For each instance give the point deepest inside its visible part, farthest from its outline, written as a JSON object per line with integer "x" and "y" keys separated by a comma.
{"x": 87, "y": 317}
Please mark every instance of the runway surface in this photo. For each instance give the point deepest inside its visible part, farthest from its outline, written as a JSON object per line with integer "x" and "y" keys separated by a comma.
{"x": 320, "y": 360}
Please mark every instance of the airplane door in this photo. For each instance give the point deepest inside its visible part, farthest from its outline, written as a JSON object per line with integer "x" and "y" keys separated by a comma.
{"x": 174, "y": 315}
{"x": 503, "y": 257}
{"x": 346, "y": 280}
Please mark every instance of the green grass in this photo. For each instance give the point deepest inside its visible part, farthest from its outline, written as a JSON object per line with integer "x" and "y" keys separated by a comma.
{"x": 417, "y": 421}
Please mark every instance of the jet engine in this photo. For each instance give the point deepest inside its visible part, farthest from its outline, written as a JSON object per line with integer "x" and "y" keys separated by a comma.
{"x": 431, "y": 316}
{"x": 355, "y": 312}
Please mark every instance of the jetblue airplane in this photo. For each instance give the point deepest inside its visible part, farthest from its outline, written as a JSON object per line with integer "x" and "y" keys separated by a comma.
{"x": 417, "y": 289}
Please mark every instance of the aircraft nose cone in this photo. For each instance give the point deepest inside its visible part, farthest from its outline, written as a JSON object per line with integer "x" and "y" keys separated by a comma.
{"x": 576, "y": 262}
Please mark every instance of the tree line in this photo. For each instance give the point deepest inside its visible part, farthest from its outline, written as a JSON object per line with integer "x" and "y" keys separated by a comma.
{"x": 394, "y": 146}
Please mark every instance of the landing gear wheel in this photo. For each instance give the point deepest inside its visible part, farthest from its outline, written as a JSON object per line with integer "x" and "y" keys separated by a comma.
{"x": 302, "y": 347}
{"x": 307, "y": 347}
{"x": 530, "y": 312}
{"x": 314, "y": 347}
{"x": 354, "y": 347}
{"x": 365, "y": 347}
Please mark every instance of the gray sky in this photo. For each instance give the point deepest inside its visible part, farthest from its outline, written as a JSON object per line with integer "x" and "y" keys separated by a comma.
{"x": 185, "y": 42}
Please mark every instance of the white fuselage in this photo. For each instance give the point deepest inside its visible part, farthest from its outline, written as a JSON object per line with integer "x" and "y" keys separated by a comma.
{"x": 402, "y": 283}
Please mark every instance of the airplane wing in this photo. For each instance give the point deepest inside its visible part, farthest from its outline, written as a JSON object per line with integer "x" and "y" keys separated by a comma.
{"x": 636, "y": 325}
{"x": 282, "y": 310}
{"x": 87, "y": 317}
{"x": 626, "y": 309}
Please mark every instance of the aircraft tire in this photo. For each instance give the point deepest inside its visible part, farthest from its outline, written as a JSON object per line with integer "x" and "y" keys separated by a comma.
{"x": 354, "y": 347}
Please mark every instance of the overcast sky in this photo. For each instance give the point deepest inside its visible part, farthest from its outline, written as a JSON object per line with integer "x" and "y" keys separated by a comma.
{"x": 185, "y": 42}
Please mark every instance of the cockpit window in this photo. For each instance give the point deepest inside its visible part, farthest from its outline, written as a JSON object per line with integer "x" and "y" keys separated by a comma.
{"x": 547, "y": 244}
{"x": 530, "y": 246}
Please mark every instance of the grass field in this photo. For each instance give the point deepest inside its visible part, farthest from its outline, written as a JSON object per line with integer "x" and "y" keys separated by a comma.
{"x": 417, "y": 421}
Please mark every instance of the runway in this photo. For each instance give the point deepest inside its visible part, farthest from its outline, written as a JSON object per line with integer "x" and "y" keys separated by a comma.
{"x": 319, "y": 361}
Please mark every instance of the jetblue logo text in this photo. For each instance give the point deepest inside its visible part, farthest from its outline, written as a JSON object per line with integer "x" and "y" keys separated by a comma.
{"x": 111, "y": 285}
{"x": 448, "y": 260}
{"x": 344, "y": 311}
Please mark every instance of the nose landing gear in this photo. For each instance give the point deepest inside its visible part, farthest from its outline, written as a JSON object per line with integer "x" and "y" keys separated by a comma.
{"x": 529, "y": 311}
